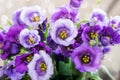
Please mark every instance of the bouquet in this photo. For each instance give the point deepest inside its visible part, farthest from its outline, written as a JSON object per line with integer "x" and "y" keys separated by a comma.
{"x": 64, "y": 48}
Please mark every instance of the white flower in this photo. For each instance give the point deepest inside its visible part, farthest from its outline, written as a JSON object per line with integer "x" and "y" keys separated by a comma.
{"x": 63, "y": 32}
{"x": 29, "y": 38}
{"x": 33, "y": 16}
{"x": 41, "y": 67}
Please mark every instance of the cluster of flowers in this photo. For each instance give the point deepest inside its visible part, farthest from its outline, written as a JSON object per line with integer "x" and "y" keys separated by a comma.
{"x": 29, "y": 44}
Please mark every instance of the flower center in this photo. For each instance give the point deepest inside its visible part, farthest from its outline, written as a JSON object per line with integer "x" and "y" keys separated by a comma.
{"x": 114, "y": 27}
{"x": 93, "y": 35}
{"x": 29, "y": 58}
{"x": 43, "y": 66}
{"x": 36, "y": 19}
{"x": 108, "y": 37}
{"x": 86, "y": 59}
{"x": 1, "y": 45}
{"x": 31, "y": 40}
{"x": 63, "y": 34}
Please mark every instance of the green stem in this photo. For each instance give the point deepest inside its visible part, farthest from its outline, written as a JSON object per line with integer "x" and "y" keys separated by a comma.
{"x": 108, "y": 73}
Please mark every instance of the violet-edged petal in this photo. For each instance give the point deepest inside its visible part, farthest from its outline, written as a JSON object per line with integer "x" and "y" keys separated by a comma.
{"x": 16, "y": 17}
{"x": 115, "y": 22}
{"x": 29, "y": 38}
{"x": 65, "y": 12}
{"x": 98, "y": 16}
{"x": 63, "y": 32}
{"x": 33, "y": 16}
{"x": 41, "y": 66}
{"x": 11, "y": 72}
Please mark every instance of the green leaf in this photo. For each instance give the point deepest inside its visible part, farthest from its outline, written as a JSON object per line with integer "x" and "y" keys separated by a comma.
{"x": 95, "y": 78}
{"x": 47, "y": 31}
{"x": 26, "y": 77}
{"x": 64, "y": 69}
{"x": 108, "y": 73}
{"x": 23, "y": 50}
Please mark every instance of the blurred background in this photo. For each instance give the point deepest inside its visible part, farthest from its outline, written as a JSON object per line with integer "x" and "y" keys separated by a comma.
{"x": 112, "y": 7}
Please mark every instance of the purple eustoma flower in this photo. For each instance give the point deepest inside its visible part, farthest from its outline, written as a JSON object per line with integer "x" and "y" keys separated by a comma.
{"x": 11, "y": 72}
{"x": 109, "y": 36}
{"x": 22, "y": 61}
{"x": 115, "y": 22}
{"x": 41, "y": 67}
{"x": 65, "y": 12}
{"x": 33, "y": 16}
{"x": 13, "y": 33}
{"x": 10, "y": 49}
{"x": 98, "y": 17}
{"x": 16, "y": 17}
{"x": 90, "y": 35}
{"x": 29, "y": 38}
{"x": 63, "y": 32}
{"x": 87, "y": 59}
{"x": 76, "y": 3}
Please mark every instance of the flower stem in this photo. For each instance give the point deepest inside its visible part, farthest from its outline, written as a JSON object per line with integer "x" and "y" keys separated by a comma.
{"x": 108, "y": 73}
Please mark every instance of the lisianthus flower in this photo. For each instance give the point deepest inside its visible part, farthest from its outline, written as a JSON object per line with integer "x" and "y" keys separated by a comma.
{"x": 13, "y": 33}
{"x": 29, "y": 38}
{"x": 33, "y": 16}
{"x": 76, "y": 3}
{"x": 115, "y": 22}
{"x": 16, "y": 17}
{"x": 90, "y": 35}
{"x": 109, "y": 36}
{"x": 67, "y": 50}
{"x": 86, "y": 58}
{"x": 65, "y": 12}
{"x": 11, "y": 72}
{"x": 41, "y": 67}
{"x": 63, "y": 32}
{"x": 98, "y": 17}
{"x": 9, "y": 49}
{"x": 22, "y": 61}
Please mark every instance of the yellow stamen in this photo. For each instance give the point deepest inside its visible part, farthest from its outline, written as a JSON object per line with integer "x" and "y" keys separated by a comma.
{"x": 86, "y": 59}
{"x": 63, "y": 35}
{"x": 93, "y": 35}
{"x": 36, "y": 18}
{"x": 43, "y": 66}
{"x": 31, "y": 40}
{"x": 29, "y": 58}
